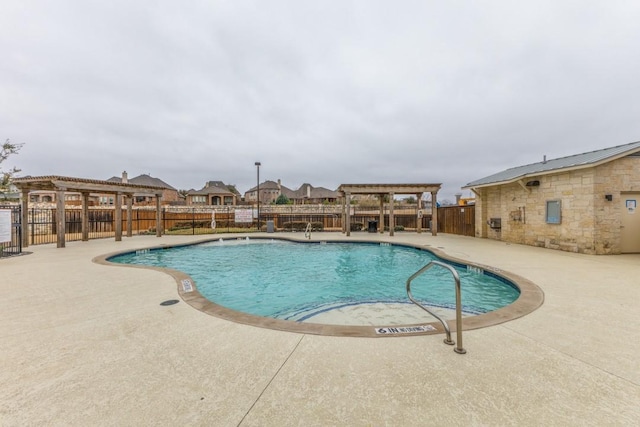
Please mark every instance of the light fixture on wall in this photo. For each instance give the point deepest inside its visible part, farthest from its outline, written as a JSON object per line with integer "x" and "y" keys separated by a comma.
{"x": 535, "y": 183}
{"x": 609, "y": 197}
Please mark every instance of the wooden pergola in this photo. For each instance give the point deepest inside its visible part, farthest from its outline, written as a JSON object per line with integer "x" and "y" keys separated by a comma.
{"x": 61, "y": 185}
{"x": 347, "y": 190}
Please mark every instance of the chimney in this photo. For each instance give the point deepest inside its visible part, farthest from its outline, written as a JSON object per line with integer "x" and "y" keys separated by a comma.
{"x": 279, "y": 185}
{"x": 125, "y": 179}
{"x": 544, "y": 158}
{"x": 308, "y": 191}
{"x": 458, "y": 196}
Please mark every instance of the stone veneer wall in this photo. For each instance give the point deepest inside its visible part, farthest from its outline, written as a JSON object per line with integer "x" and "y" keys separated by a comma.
{"x": 613, "y": 178}
{"x": 590, "y": 224}
{"x": 523, "y": 212}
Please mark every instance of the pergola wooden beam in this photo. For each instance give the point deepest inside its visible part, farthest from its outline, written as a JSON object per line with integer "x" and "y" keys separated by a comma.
{"x": 347, "y": 190}
{"x": 61, "y": 185}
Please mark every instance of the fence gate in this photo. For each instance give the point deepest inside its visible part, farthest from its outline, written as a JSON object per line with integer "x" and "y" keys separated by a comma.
{"x": 457, "y": 220}
{"x": 10, "y": 231}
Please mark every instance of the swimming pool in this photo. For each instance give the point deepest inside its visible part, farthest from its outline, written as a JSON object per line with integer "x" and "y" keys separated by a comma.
{"x": 302, "y": 281}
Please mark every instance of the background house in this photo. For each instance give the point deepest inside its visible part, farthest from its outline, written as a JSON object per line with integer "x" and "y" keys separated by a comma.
{"x": 215, "y": 193}
{"x": 584, "y": 203}
{"x": 269, "y": 192}
{"x": 170, "y": 195}
{"x": 308, "y": 194}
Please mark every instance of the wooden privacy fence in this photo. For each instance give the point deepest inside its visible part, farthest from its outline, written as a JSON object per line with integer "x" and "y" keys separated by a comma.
{"x": 457, "y": 220}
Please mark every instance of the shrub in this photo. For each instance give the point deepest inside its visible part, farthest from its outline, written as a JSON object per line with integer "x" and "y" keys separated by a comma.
{"x": 357, "y": 226}
{"x": 294, "y": 226}
{"x": 302, "y": 226}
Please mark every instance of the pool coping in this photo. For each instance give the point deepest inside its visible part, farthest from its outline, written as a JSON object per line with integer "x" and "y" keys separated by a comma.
{"x": 531, "y": 297}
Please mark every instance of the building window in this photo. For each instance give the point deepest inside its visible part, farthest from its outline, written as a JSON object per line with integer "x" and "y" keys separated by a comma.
{"x": 553, "y": 212}
{"x": 199, "y": 199}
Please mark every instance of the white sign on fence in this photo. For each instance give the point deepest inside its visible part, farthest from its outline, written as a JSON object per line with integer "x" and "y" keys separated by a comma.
{"x": 243, "y": 215}
{"x": 5, "y": 225}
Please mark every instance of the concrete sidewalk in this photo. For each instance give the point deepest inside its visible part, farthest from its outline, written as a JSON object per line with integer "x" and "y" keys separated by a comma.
{"x": 89, "y": 344}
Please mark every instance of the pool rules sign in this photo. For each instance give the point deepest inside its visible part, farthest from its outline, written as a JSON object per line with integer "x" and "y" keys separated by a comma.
{"x": 5, "y": 225}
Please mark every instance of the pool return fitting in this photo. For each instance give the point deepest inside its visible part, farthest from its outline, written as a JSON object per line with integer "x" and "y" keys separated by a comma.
{"x": 458, "y": 349}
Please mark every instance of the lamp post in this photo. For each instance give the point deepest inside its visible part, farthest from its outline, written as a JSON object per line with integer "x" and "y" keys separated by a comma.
{"x": 258, "y": 192}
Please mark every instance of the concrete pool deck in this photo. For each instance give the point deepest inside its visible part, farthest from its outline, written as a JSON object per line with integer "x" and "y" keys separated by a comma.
{"x": 89, "y": 344}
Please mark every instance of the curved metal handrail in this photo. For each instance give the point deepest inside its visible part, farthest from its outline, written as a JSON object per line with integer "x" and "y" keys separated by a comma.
{"x": 307, "y": 231}
{"x": 458, "y": 349}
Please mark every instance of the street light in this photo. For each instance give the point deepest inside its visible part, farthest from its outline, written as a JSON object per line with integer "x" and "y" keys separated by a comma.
{"x": 258, "y": 192}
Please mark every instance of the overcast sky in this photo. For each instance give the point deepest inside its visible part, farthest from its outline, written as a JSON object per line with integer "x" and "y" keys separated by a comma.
{"x": 324, "y": 92}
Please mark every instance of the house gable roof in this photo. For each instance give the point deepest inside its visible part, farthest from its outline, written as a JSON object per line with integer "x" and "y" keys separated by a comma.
{"x": 272, "y": 185}
{"x": 213, "y": 187}
{"x": 577, "y": 161}
{"x": 314, "y": 192}
{"x": 144, "y": 179}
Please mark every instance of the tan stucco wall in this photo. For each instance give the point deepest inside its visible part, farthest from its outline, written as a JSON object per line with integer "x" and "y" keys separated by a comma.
{"x": 590, "y": 224}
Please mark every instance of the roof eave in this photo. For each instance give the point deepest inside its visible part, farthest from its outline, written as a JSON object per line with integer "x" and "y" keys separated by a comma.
{"x": 553, "y": 171}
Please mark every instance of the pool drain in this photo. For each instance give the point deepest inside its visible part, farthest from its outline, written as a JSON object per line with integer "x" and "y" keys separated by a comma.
{"x": 169, "y": 302}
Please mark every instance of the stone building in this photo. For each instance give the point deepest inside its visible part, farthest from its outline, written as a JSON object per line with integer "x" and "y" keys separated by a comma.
{"x": 585, "y": 203}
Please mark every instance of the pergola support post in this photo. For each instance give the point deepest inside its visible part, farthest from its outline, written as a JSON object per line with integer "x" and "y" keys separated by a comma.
{"x": 158, "y": 216}
{"x": 343, "y": 215}
{"x": 419, "y": 213}
{"x": 434, "y": 213}
{"x": 60, "y": 218}
{"x": 129, "y": 215}
{"x": 85, "y": 216}
{"x": 118, "y": 217}
{"x": 25, "y": 218}
{"x": 381, "y": 221}
{"x": 347, "y": 224}
{"x": 392, "y": 223}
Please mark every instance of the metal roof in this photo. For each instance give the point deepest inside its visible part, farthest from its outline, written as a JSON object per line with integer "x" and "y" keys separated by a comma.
{"x": 591, "y": 158}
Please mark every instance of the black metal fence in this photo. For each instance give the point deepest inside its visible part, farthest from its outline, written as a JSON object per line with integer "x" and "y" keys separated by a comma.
{"x": 43, "y": 227}
{"x": 10, "y": 231}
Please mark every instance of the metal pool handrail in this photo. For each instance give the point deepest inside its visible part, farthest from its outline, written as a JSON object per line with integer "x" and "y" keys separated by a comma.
{"x": 458, "y": 349}
{"x": 307, "y": 231}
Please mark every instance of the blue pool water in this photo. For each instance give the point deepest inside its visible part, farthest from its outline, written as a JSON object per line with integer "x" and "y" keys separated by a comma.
{"x": 288, "y": 280}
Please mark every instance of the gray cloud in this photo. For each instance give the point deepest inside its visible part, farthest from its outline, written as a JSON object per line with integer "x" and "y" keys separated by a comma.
{"x": 321, "y": 92}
